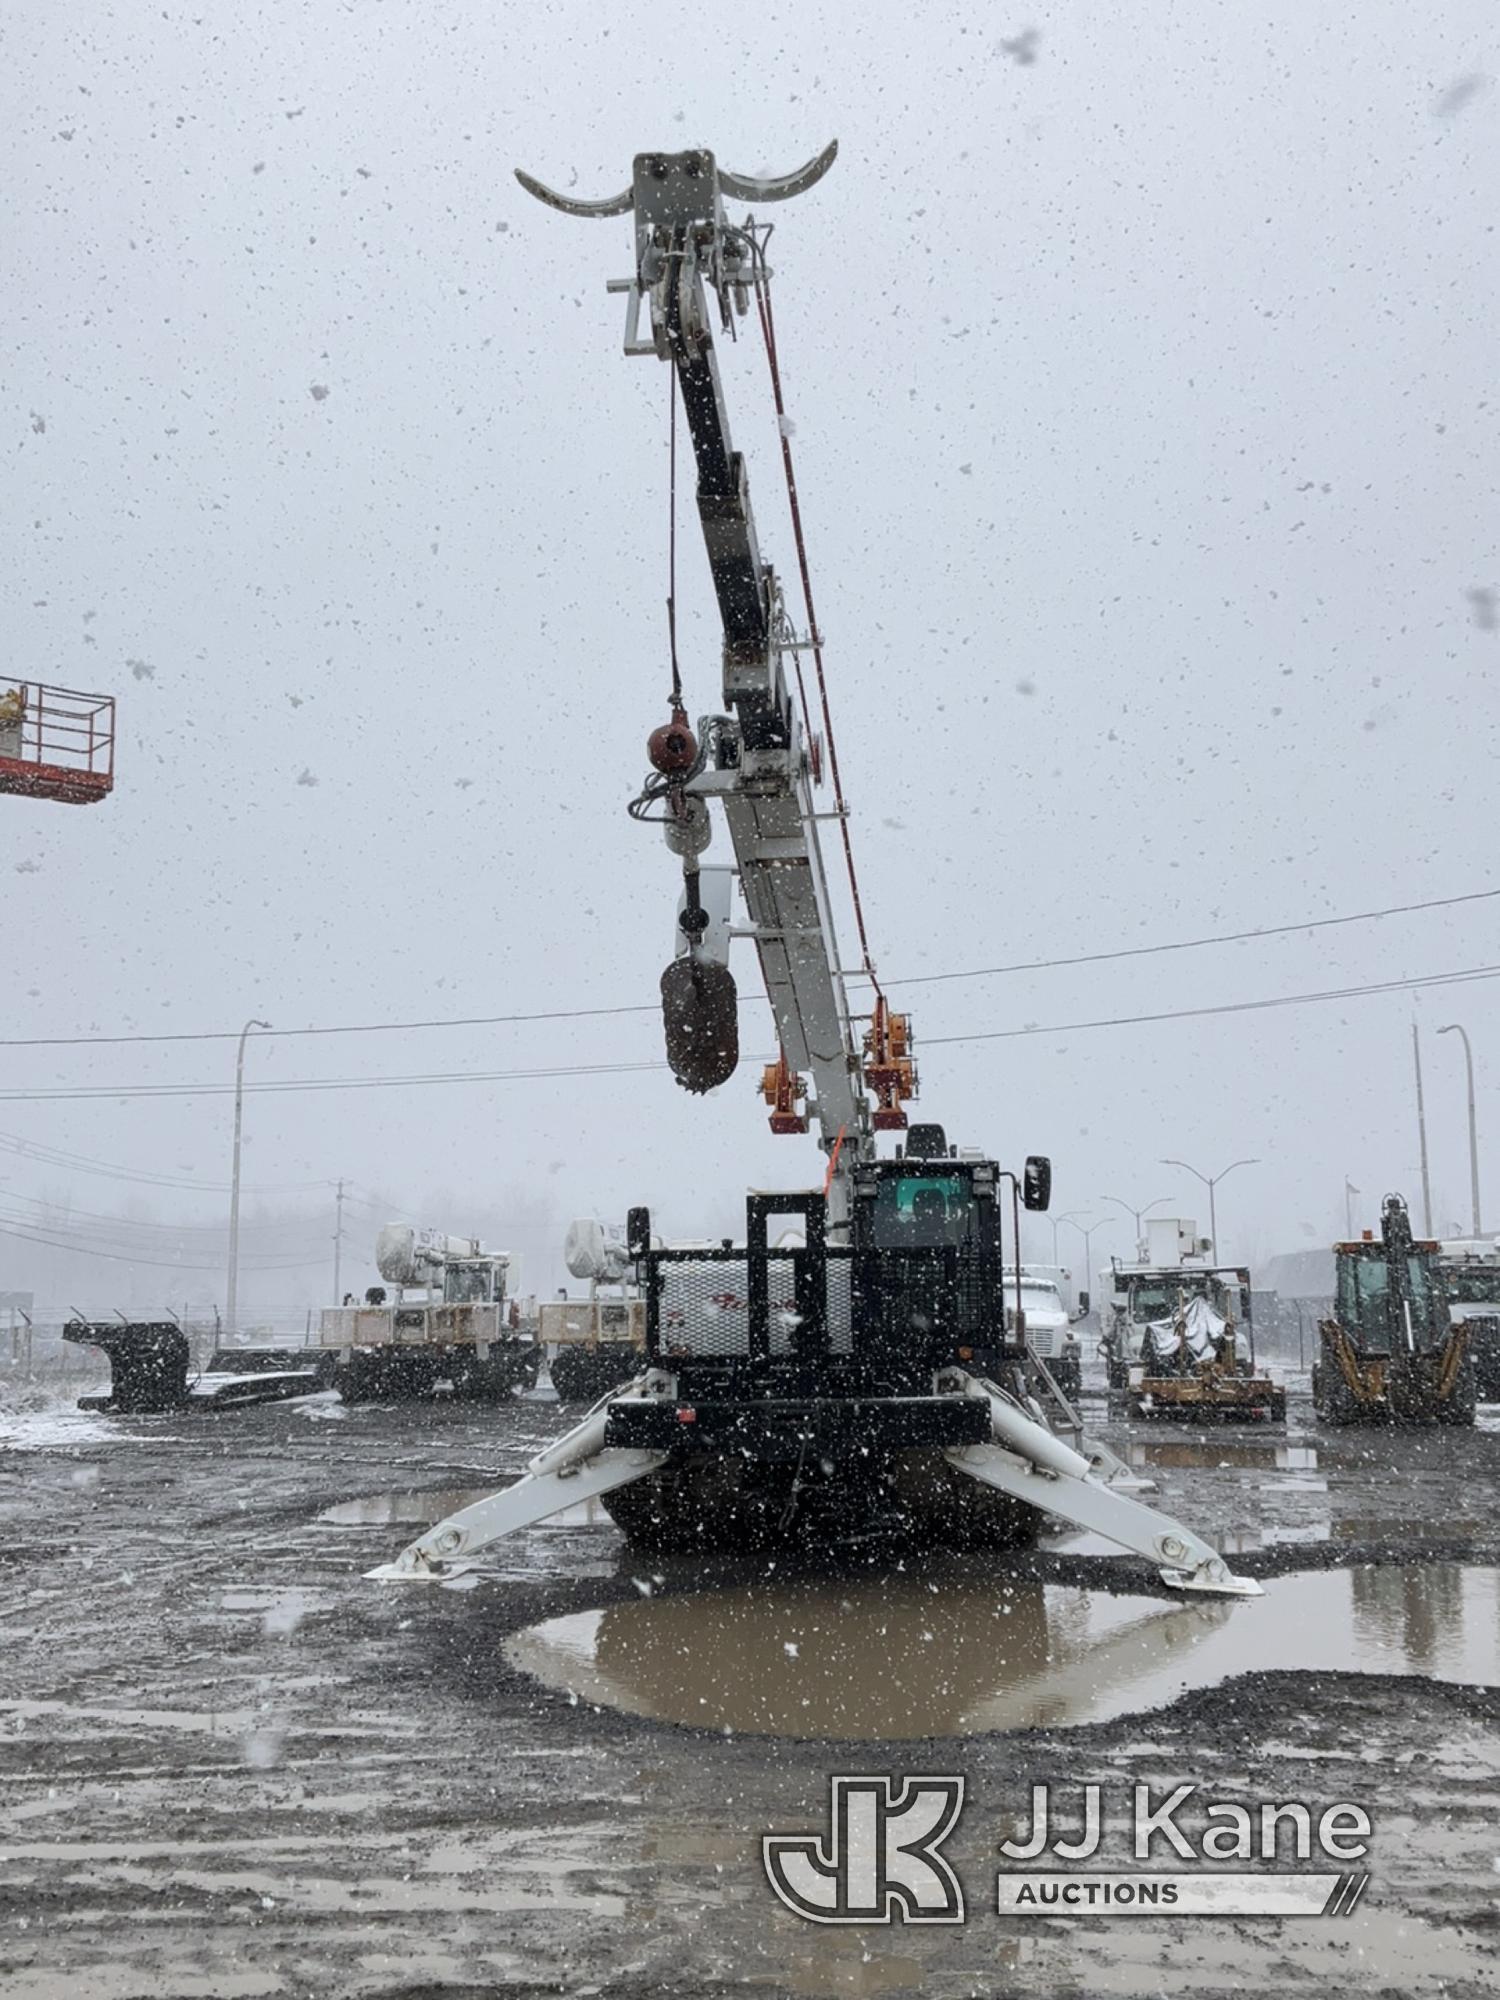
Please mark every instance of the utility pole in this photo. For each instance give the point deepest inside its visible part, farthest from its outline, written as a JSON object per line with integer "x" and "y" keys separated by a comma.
{"x": 1454, "y": 1029}
{"x": 1416, "y": 1056}
{"x": 232, "y": 1302}
{"x": 338, "y": 1243}
{"x": 1350, "y": 1190}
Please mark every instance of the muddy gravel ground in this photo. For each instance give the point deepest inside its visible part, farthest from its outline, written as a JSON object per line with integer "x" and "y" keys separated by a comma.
{"x": 229, "y": 1766}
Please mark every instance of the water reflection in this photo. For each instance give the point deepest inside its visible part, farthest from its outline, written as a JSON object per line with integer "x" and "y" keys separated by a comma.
{"x": 380, "y": 1510}
{"x": 899, "y": 1657}
{"x": 1190, "y": 1454}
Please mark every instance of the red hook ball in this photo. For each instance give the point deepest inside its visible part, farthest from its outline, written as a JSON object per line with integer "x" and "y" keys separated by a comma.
{"x": 672, "y": 748}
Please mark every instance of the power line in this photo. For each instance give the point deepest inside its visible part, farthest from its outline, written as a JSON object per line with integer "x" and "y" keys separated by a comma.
{"x": 1472, "y": 977}
{"x": 158, "y": 1263}
{"x": 363, "y": 1201}
{"x": 52, "y": 1156}
{"x": 134, "y": 1091}
{"x": 65, "y": 1212}
{"x": 342, "y": 1028}
{"x": 1198, "y": 944}
{"x": 755, "y": 999}
{"x": 130, "y": 1092}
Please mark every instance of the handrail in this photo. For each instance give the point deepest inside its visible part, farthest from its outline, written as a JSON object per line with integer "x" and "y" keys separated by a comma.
{"x": 56, "y": 740}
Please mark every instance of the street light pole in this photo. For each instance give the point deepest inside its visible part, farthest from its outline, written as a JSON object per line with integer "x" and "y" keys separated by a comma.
{"x": 232, "y": 1302}
{"x": 1454, "y": 1029}
{"x": 1416, "y": 1056}
{"x": 338, "y": 1243}
{"x": 1056, "y": 1221}
{"x": 1211, "y": 1181}
{"x": 1105, "y": 1222}
{"x": 1136, "y": 1214}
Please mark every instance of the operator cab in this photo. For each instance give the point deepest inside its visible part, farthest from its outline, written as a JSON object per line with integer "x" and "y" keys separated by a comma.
{"x": 1387, "y": 1300}
{"x": 475, "y": 1281}
{"x": 917, "y": 1284}
{"x": 928, "y": 1278}
{"x": 1158, "y": 1295}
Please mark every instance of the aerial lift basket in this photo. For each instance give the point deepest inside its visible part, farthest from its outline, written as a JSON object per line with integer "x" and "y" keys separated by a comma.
{"x": 56, "y": 743}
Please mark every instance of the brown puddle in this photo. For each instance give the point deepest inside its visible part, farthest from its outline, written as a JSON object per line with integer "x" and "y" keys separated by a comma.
{"x": 901, "y": 1657}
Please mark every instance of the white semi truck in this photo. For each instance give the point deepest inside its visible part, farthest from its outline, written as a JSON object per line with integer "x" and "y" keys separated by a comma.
{"x": 453, "y": 1320}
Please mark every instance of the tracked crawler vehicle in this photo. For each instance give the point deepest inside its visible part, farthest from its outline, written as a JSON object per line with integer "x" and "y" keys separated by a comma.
{"x": 831, "y": 1386}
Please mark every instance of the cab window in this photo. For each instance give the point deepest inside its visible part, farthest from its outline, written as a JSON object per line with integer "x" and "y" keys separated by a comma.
{"x": 924, "y": 1212}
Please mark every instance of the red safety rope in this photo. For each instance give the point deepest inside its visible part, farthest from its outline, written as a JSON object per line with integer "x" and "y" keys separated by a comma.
{"x": 833, "y": 1160}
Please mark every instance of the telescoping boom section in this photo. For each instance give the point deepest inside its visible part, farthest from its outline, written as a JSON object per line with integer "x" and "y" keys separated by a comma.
{"x": 856, "y": 1376}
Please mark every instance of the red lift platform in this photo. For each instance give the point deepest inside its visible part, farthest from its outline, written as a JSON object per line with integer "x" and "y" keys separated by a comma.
{"x": 56, "y": 743}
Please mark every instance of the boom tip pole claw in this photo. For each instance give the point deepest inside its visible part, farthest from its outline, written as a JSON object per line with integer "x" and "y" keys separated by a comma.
{"x": 615, "y": 204}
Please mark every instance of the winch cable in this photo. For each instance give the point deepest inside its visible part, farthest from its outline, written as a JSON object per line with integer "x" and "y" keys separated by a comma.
{"x": 672, "y": 539}
{"x": 768, "y": 334}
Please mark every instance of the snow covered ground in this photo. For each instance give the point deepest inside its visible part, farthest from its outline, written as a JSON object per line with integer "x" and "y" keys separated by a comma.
{"x": 34, "y": 1418}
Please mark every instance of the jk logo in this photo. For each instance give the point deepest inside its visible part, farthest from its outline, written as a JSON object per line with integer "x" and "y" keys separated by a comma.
{"x": 880, "y": 1863}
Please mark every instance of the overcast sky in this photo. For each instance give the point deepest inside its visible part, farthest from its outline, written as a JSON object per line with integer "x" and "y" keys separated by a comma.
{"x": 1146, "y": 426}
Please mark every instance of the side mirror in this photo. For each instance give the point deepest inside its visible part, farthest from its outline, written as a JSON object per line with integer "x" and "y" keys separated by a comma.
{"x": 1036, "y": 1188}
{"x": 638, "y": 1231}
{"x": 1083, "y": 1306}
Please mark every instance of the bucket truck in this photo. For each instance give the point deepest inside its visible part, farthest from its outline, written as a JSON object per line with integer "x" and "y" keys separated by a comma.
{"x": 450, "y": 1321}
{"x": 596, "y": 1343}
{"x": 821, "y": 1388}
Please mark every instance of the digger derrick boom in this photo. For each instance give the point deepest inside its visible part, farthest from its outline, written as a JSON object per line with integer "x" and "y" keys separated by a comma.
{"x": 691, "y": 261}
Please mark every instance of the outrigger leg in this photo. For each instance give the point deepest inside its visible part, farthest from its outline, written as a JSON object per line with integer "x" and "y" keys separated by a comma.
{"x": 1026, "y": 1461}
{"x": 1023, "y": 1459}
{"x": 577, "y": 1467}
